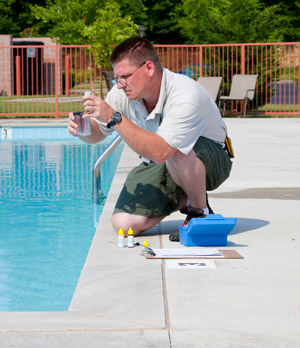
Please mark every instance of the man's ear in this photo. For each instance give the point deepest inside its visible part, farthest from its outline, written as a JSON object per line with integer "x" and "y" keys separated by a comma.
{"x": 150, "y": 68}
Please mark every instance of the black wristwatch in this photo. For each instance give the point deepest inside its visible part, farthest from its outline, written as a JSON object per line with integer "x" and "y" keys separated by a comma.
{"x": 116, "y": 118}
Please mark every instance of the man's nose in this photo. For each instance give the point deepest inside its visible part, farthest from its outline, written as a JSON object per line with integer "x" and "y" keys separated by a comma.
{"x": 121, "y": 85}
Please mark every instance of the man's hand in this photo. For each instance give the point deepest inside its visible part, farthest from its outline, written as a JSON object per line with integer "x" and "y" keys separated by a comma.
{"x": 72, "y": 125}
{"x": 94, "y": 138}
{"x": 96, "y": 107}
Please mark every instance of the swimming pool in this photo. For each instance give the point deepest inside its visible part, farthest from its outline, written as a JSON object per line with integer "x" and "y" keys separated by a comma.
{"x": 47, "y": 216}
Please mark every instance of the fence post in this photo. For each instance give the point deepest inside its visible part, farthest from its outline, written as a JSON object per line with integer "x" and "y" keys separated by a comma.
{"x": 242, "y": 70}
{"x": 201, "y": 61}
{"x": 56, "y": 81}
{"x": 18, "y": 75}
{"x": 243, "y": 59}
{"x": 67, "y": 75}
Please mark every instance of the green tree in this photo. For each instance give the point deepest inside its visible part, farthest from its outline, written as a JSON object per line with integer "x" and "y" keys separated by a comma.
{"x": 100, "y": 24}
{"x": 235, "y": 21}
{"x": 161, "y": 22}
{"x": 136, "y": 9}
{"x": 291, "y": 9}
{"x": 166, "y": 21}
{"x": 16, "y": 17}
{"x": 7, "y": 24}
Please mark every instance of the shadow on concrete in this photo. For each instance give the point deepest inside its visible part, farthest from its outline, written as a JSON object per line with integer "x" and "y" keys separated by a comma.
{"x": 246, "y": 225}
{"x": 232, "y": 244}
{"x": 242, "y": 225}
{"x": 283, "y": 193}
{"x": 166, "y": 227}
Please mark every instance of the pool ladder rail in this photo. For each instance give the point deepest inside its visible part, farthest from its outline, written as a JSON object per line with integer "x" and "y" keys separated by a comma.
{"x": 97, "y": 168}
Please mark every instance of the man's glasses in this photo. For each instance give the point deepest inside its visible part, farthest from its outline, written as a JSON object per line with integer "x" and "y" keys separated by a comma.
{"x": 123, "y": 79}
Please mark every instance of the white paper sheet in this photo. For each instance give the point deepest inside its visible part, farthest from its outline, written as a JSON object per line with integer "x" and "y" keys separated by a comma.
{"x": 187, "y": 252}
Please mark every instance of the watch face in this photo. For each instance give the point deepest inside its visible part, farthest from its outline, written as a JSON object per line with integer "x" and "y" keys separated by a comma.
{"x": 117, "y": 117}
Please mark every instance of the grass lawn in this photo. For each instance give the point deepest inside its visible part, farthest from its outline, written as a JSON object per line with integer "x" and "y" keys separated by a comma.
{"x": 13, "y": 107}
{"x": 44, "y": 105}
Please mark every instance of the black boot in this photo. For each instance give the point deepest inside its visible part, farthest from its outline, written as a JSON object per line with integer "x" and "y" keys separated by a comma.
{"x": 184, "y": 210}
{"x": 191, "y": 213}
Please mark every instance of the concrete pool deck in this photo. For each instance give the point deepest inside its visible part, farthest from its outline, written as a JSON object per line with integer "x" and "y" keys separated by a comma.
{"x": 125, "y": 300}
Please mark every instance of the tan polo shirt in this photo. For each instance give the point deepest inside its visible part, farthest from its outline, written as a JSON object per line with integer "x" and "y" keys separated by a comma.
{"x": 183, "y": 113}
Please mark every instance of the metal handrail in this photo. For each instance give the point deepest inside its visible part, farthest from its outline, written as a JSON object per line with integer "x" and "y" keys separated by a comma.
{"x": 97, "y": 168}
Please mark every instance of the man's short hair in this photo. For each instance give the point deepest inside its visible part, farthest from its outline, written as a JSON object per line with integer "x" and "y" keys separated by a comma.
{"x": 137, "y": 50}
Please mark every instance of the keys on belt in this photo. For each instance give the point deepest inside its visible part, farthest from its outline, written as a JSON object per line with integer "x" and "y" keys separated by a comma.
{"x": 146, "y": 160}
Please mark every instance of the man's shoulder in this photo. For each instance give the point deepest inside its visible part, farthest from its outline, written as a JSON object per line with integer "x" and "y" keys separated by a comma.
{"x": 176, "y": 76}
{"x": 179, "y": 80}
{"x": 182, "y": 86}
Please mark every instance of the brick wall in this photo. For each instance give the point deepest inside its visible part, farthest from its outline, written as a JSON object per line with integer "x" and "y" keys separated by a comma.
{"x": 7, "y": 79}
{"x": 5, "y": 65}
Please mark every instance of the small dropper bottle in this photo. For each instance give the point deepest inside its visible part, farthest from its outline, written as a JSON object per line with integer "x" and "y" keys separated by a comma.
{"x": 130, "y": 238}
{"x": 121, "y": 238}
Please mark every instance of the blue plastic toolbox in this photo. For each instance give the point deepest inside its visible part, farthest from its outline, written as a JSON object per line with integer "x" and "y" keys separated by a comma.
{"x": 209, "y": 231}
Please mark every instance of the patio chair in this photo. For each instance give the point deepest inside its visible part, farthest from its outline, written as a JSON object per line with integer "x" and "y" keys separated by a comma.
{"x": 242, "y": 88}
{"x": 107, "y": 76}
{"x": 212, "y": 84}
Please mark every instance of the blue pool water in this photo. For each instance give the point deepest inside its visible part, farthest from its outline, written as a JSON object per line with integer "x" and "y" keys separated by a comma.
{"x": 47, "y": 217}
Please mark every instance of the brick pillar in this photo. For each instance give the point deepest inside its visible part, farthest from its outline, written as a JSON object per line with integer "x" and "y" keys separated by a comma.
{"x": 5, "y": 65}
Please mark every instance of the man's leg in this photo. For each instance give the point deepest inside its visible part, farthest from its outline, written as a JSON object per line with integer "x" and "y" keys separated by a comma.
{"x": 138, "y": 223}
{"x": 148, "y": 195}
{"x": 207, "y": 161}
{"x": 189, "y": 173}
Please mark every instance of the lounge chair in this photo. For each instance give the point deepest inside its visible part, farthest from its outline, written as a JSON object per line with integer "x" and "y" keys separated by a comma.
{"x": 242, "y": 88}
{"x": 107, "y": 75}
{"x": 212, "y": 84}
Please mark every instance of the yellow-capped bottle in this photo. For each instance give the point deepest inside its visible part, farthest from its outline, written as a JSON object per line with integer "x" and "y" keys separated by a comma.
{"x": 121, "y": 238}
{"x": 130, "y": 238}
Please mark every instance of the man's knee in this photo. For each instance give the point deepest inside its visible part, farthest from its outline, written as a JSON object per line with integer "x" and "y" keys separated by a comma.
{"x": 126, "y": 221}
